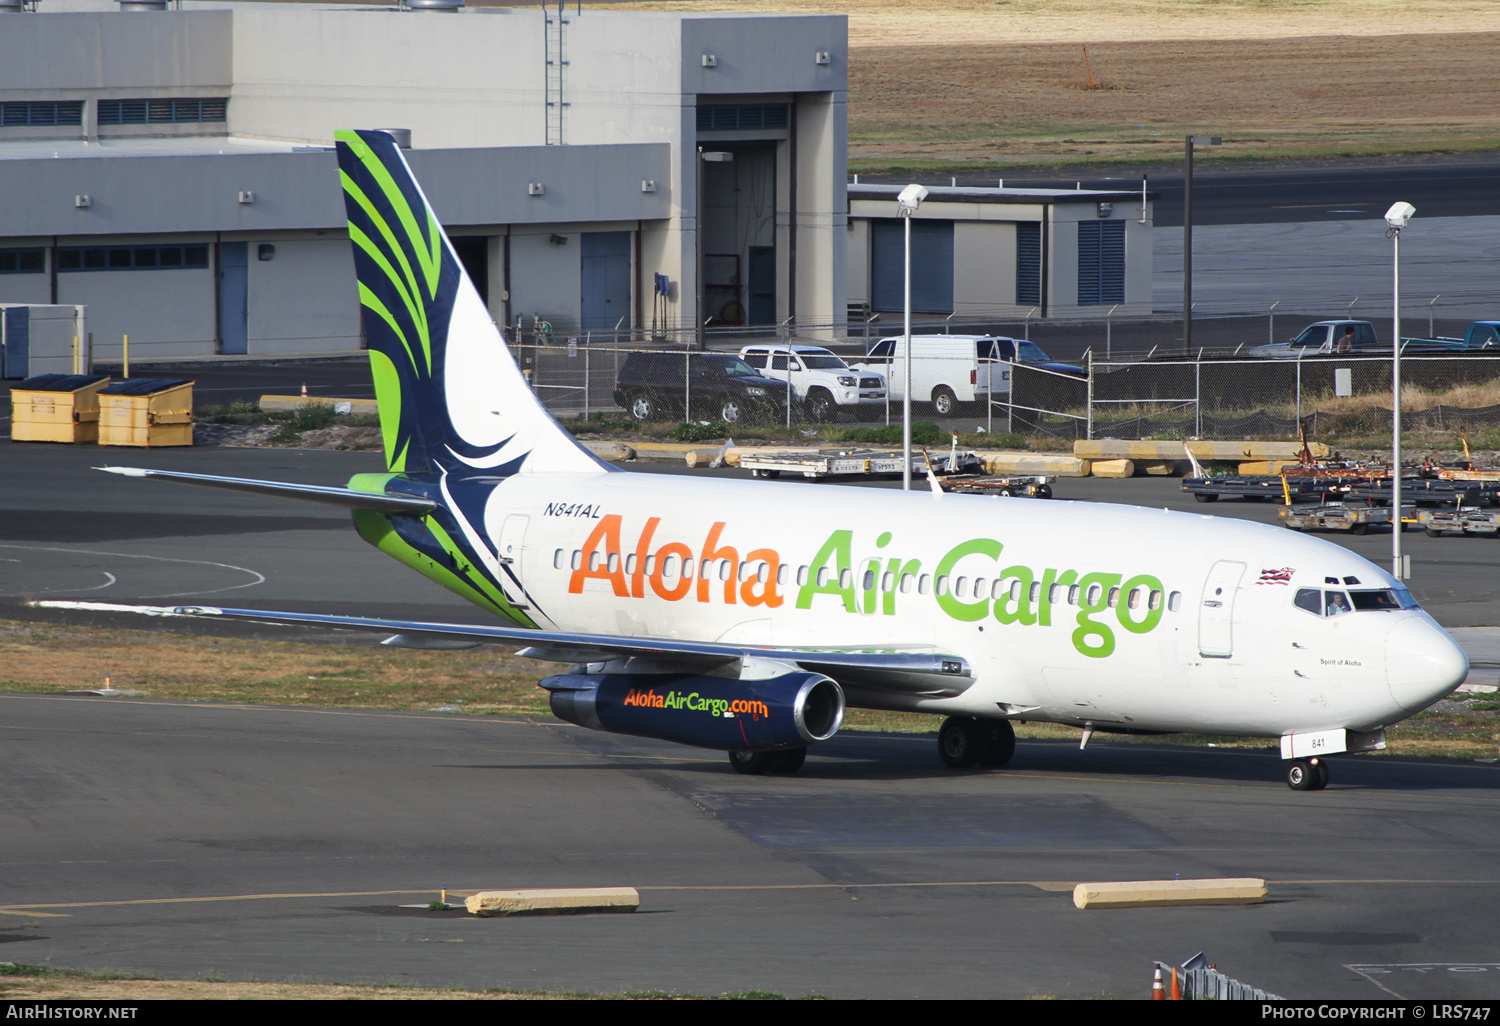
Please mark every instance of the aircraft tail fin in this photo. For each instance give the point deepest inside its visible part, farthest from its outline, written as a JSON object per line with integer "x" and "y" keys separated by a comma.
{"x": 450, "y": 394}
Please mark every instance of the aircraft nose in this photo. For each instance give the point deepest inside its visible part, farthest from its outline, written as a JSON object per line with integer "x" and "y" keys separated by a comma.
{"x": 1422, "y": 663}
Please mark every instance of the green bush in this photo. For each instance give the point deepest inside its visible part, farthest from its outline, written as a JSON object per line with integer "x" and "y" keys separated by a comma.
{"x": 923, "y": 432}
{"x": 690, "y": 431}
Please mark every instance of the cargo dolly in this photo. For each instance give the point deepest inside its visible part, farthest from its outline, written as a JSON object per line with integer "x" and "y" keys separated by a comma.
{"x": 851, "y": 462}
{"x": 1463, "y": 520}
{"x": 1035, "y": 486}
{"x": 1336, "y": 516}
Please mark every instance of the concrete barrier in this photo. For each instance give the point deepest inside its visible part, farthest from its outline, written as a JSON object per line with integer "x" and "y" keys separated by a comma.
{"x": 610, "y": 452}
{"x": 1034, "y": 463}
{"x": 292, "y": 403}
{"x": 1270, "y": 467}
{"x": 562, "y": 901}
{"x": 1126, "y": 449}
{"x": 1153, "y": 893}
{"x": 1112, "y": 468}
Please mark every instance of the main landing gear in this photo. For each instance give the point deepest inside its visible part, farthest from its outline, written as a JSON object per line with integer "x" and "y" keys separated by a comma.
{"x": 788, "y": 760}
{"x": 965, "y": 741}
{"x": 1307, "y": 775}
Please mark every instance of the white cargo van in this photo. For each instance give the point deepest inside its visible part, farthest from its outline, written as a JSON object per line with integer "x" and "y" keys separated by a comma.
{"x": 946, "y": 370}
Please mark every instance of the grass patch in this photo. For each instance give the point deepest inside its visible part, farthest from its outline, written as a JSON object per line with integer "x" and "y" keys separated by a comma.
{"x": 492, "y": 680}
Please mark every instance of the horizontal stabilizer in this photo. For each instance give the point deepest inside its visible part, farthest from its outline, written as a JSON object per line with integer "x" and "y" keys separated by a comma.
{"x": 909, "y": 671}
{"x": 345, "y": 498}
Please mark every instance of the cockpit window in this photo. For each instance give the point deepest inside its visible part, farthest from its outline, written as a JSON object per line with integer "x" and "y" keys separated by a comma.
{"x": 1336, "y": 602}
{"x": 1328, "y": 602}
{"x": 1375, "y": 599}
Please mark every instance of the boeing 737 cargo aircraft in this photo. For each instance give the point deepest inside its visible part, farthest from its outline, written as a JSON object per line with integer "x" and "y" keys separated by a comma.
{"x": 744, "y": 615}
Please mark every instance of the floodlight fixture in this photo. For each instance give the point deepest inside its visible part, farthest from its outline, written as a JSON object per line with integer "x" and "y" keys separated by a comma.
{"x": 911, "y": 198}
{"x": 1399, "y": 214}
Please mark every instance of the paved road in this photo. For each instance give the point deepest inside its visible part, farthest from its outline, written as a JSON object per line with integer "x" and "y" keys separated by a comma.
{"x": 187, "y": 840}
{"x": 1287, "y": 193}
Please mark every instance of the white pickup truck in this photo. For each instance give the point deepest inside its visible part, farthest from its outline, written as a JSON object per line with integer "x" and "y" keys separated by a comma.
{"x": 820, "y": 380}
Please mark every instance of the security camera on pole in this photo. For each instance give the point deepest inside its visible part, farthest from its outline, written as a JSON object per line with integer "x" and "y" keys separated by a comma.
{"x": 909, "y": 200}
{"x": 1396, "y": 218}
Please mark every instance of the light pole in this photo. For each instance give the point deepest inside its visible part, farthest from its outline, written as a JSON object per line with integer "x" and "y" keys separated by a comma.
{"x": 909, "y": 200}
{"x": 1187, "y": 236}
{"x": 712, "y": 157}
{"x": 1396, "y": 218}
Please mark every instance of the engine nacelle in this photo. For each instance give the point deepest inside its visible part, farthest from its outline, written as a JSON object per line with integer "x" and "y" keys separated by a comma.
{"x": 791, "y": 711}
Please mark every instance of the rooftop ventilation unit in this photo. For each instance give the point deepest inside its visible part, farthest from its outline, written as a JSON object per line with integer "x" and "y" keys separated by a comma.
{"x": 143, "y": 5}
{"x": 430, "y": 5}
{"x": 401, "y": 135}
{"x": 12, "y": 6}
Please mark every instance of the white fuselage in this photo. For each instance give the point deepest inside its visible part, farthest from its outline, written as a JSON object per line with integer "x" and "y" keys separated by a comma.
{"x": 1201, "y": 633}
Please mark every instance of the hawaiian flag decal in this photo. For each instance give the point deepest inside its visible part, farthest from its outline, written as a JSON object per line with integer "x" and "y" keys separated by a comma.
{"x": 1281, "y": 576}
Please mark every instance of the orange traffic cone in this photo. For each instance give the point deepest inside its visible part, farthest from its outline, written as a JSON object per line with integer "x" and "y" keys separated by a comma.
{"x": 304, "y": 388}
{"x": 1176, "y": 988}
{"x": 1157, "y": 994}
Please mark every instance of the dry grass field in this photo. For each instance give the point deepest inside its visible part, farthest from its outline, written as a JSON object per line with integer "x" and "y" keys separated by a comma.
{"x": 985, "y": 85}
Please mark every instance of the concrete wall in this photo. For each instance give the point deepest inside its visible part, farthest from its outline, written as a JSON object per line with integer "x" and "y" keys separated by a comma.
{"x": 165, "y": 312}
{"x": 302, "y": 299}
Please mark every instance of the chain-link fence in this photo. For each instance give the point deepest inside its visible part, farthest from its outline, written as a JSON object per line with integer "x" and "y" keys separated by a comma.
{"x": 1341, "y": 395}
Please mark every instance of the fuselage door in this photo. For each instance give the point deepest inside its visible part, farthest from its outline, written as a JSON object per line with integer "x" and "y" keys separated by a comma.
{"x": 1216, "y": 610}
{"x": 512, "y": 543}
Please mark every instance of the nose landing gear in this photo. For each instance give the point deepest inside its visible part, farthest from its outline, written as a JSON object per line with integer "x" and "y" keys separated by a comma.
{"x": 1307, "y": 775}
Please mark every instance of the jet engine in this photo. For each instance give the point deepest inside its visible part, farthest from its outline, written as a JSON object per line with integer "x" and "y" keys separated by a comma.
{"x": 790, "y": 711}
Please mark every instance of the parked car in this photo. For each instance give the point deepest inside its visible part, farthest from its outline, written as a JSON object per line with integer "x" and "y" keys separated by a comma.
{"x": 1018, "y": 350}
{"x": 655, "y": 386}
{"x": 820, "y": 380}
{"x": 1480, "y": 335}
{"x": 1325, "y": 338}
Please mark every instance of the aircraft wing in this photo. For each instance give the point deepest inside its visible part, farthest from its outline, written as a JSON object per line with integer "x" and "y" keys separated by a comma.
{"x": 345, "y": 498}
{"x": 909, "y": 670}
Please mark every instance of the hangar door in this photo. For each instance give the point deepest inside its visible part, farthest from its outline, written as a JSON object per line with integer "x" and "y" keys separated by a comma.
{"x": 931, "y": 266}
{"x": 606, "y": 281}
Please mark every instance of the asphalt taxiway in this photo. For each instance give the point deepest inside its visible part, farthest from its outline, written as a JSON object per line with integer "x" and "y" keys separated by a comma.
{"x": 187, "y": 840}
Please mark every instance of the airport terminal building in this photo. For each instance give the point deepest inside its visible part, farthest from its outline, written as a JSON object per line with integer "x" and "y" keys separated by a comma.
{"x": 615, "y": 173}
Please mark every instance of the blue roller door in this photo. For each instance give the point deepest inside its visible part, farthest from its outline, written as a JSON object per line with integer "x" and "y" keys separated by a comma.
{"x": 931, "y": 266}
{"x": 1101, "y": 262}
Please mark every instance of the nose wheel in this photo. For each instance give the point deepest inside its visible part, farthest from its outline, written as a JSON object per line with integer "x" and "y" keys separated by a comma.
{"x": 1307, "y": 775}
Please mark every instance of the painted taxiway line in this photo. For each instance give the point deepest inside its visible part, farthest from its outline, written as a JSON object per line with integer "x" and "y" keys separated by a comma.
{"x": 1055, "y": 886}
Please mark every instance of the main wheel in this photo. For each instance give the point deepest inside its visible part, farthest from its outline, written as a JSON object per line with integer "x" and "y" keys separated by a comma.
{"x": 1302, "y": 775}
{"x": 1322, "y": 781}
{"x": 959, "y": 742}
{"x": 788, "y": 760}
{"x": 768, "y": 474}
{"x": 1433, "y": 532}
{"x": 1206, "y": 496}
{"x": 1360, "y": 529}
{"x": 997, "y": 743}
{"x": 820, "y": 406}
{"x": 642, "y": 407}
{"x": 751, "y": 763}
{"x": 944, "y": 402}
{"x": 1044, "y": 491}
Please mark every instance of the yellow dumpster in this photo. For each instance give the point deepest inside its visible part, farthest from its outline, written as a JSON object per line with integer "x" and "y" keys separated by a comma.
{"x": 147, "y": 412}
{"x": 56, "y": 408}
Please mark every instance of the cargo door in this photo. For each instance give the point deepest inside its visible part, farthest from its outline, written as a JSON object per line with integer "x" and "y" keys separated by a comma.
{"x": 1216, "y": 610}
{"x": 512, "y": 546}
{"x": 15, "y": 342}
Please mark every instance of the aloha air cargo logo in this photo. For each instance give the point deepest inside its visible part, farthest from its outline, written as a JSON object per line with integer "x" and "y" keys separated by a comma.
{"x": 694, "y": 702}
{"x": 874, "y": 584}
